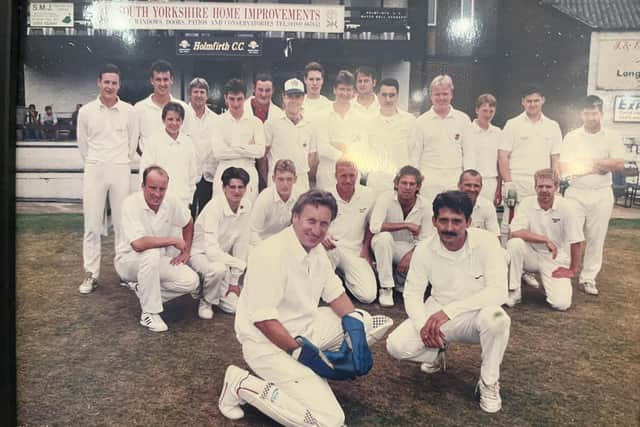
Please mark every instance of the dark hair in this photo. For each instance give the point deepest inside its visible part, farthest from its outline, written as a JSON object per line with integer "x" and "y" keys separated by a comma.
{"x": 409, "y": 170}
{"x": 389, "y": 82}
{"x": 314, "y": 66}
{"x": 316, "y": 198}
{"x": 161, "y": 66}
{"x": 344, "y": 77}
{"x": 48, "y": 107}
{"x": 109, "y": 68}
{"x": 471, "y": 172}
{"x": 262, "y": 77}
{"x": 32, "y": 105}
{"x": 173, "y": 106}
{"x": 234, "y": 173}
{"x": 592, "y": 102}
{"x": 367, "y": 71}
{"x": 150, "y": 169}
{"x": 457, "y": 201}
{"x": 531, "y": 89}
{"x": 234, "y": 86}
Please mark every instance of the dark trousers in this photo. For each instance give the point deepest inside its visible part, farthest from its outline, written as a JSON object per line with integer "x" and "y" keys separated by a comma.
{"x": 202, "y": 195}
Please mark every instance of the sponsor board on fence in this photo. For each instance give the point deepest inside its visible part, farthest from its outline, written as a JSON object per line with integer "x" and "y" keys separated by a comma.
{"x": 627, "y": 109}
{"x": 51, "y": 15}
{"x": 217, "y": 16}
{"x": 619, "y": 64}
{"x": 209, "y": 44}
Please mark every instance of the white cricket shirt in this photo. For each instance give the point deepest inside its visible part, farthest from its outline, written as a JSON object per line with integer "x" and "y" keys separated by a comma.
{"x": 348, "y": 229}
{"x": 484, "y": 144}
{"x": 387, "y": 209}
{"x": 270, "y": 214}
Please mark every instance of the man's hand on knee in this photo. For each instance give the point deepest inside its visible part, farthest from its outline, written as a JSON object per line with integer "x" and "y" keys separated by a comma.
{"x": 431, "y": 334}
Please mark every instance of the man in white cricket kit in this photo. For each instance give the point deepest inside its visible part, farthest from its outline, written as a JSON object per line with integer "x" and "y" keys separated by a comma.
{"x": 271, "y": 212}
{"x": 174, "y": 151}
{"x": 365, "y": 102}
{"x": 149, "y": 110}
{"x": 484, "y": 213}
{"x": 107, "y": 138}
{"x": 484, "y": 139}
{"x": 315, "y": 104}
{"x": 240, "y": 140}
{"x": 220, "y": 244}
{"x": 440, "y": 143}
{"x": 292, "y": 345}
{"x": 389, "y": 135}
{"x": 546, "y": 236}
{"x": 588, "y": 155}
{"x": 468, "y": 276}
{"x": 341, "y": 132}
{"x": 203, "y": 127}
{"x": 348, "y": 242}
{"x": 399, "y": 220}
{"x": 290, "y": 136}
{"x": 150, "y": 253}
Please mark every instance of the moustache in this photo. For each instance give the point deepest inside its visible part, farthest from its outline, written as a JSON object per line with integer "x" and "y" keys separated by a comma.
{"x": 450, "y": 233}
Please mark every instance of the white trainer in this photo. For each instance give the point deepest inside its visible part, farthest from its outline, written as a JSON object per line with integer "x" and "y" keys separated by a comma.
{"x": 229, "y": 401}
{"x": 154, "y": 322}
{"x": 590, "y": 288}
{"x": 129, "y": 285}
{"x": 440, "y": 364}
{"x": 229, "y": 303}
{"x": 386, "y": 297}
{"x": 204, "y": 310}
{"x": 490, "y": 400}
{"x": 88, "y": 284}
{"x": 515, "y": 297}
{"x": 531, "y": 280}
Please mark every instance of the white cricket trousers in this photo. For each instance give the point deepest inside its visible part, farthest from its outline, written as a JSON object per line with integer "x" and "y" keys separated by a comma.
{"x": 249, "y": 165}
{"x": 438, "y": 180}
{"x": 380, "y": 182}
{"x": 298, "y": 382}
{"x": 216, "y": 274}
{"x": 359, "y": 277}
{"x": 100, "y": 180}
{"x": 489, "y": 185}
{"x": 523, "y": 257}
{"x": 158, "y": 280}
{"x": 595, "y": 207}
{"x": 489, "y": 327}
{"x": 387, "y": 252}
{"x": 524, "y": 185}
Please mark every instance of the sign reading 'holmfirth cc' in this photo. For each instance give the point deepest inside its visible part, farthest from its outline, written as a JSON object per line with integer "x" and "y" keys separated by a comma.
{"x": 619, "y": 64}
{"x": 217, "y": 16}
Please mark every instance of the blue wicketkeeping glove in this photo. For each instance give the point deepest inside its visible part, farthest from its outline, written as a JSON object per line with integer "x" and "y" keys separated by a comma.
{"x": 356, "y": 338}
{"x": 333, "y": 365}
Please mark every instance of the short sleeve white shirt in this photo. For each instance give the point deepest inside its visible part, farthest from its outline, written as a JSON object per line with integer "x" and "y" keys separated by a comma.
{"x": 581, "y": 147}
{"x": 561, "y": 224}
{"x": 203, "y": 130}
{"x": 107, "y": 134}
{"x": 485, "y": 144}
{"x": 312, "y": 109}
{"x": 348, "y": 229}
{"x": 283, "y": 282}
{"x": 149, "y": 116}
{"x": 270, "y": 214}
{"x": 484, "y": 216}
{"x": 389, "y": 139}
{"x": 387, "y": 209}
{"x": 290, "y": 141}
{"x": 440, "y": 141}
{"x": 139, "y": 220}
{"x": 531, "y": 144}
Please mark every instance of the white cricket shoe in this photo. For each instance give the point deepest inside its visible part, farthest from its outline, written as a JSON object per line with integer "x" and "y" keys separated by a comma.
{"x": 153, "y": 322}
{"x": 386, "y": 297}
{"x": 129, "y": 285}
{"x": 229, "y": 401}
{"x": 490, "y": 400}
{"x": 88, "y": 284}
{"x": 229, "y": 303}
{"x": 440, "y": 364}
{"x": 590, "y": 288}
{"x": 531, "y": 280}
{"x": 515, "y": 297}
{"x": 204, "y": 310}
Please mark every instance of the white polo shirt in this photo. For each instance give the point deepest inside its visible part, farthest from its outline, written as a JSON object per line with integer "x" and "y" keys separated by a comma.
{"x": 149, "y": 116}
{"x": 484, "y": 216}
{"x": 218, "y": 230}
{"x": 178, "y": 158}
{"x": 348, "y": 229}
{"x": 312, "y": 109}
{"x": 289, "y": 141}
{"x": 274, "y": 110}
{"x": 283, "y": 282}
{"x": 233, "y": 142}
{"x": 368, "y": 112}
{"x": 485, "y": 144}
{"x": 138, "y": 220}
{"x": 389, "y": 139}
{"x": 581, "y": 147}
{"x": 531, "y": 144}
{"x": 561, "y": 224}
{"x": 203, "y": 130}
{"x": 387, "y": 209}
{"x": 471, "y": 278}
{"x": 440, "y": 143}
{"x": 270, "y": 214}
{"x": 107, "y": 134}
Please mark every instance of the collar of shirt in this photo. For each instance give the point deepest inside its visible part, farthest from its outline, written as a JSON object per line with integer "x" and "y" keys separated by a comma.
{"x": 356, "y": 195}
{"x": 554, "y": 206}
{"x": 433, "y": 115}
{"x": 278, "y": 199}
{"x": 149, "y": 102}
{"x": 476, "y": 127}
{"x": 419, "y": 202}
{"x": 228, "y": 116}
{"x": 226, "y": 209}
{"x": 163, "y": 206}
{"x": 297, "y": 252}
{"x": 525, "y": 118}
{"x": 113, "y": 107}
{"x": 207, "y": 111}
{"x": 301, "y": 122}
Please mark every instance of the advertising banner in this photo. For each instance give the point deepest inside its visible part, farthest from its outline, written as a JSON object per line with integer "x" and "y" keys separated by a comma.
{"x": 51, "y": 14}
{"x": 619, "y": 64}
